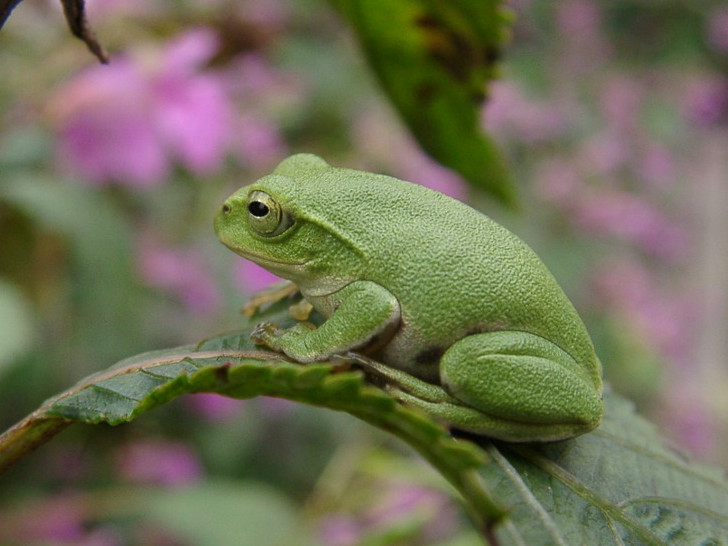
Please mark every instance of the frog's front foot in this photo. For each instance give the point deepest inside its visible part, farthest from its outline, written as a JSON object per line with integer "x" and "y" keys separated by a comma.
{"x": 291, "y": 341}
{"x": 268, "y": 334}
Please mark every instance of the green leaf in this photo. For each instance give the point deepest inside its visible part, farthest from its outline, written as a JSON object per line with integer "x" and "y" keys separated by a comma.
{"x": 618, "y": 485}
{"x": 98, "y": 237}
{"x": 434, "y": 60}
{"x": 235, "y": 514}
{"x": 16, "y": 324}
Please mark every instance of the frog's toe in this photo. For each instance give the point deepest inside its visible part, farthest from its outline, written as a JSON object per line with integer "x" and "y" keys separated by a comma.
{"x": 265, "y": 333}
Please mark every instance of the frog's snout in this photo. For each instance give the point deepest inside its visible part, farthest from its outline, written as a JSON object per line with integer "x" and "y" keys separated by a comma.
{"x": 222, "y": 218}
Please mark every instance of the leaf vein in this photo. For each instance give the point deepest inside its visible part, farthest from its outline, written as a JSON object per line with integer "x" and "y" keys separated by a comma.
{"x": 527, "y": 494}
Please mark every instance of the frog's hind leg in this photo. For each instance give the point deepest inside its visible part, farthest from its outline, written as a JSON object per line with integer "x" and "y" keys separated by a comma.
{"x": 518, "y": 386}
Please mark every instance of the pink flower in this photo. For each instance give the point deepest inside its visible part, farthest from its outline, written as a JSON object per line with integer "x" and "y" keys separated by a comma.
{"x": 687, "y": 411}
{"x": 158, "y": 462}
{"x": 706, "y": 101}
{"x": 432, "y": 506}
{"x": 509, "y": 112}
{"x": 718, "y": 29}
{"x": 251, "y": 277}
{"x": 63, "y": 521}
{"x": 624, "y": 216}
{"x": 258, "y": 142}
{"x": 66, "y": 518}
{"x": 268, "y": 14}
{"x": 657, "y": 166}
{"x": 129, "y": 121}
{"x": 583, "y": 47}
{"x": 397, "y": 506}
{"x": 664, "y": 320}
{"x": 341, "y": 531}
{"x": 621, "y": 101}
{"x": 182, "y": 272}
{"x": 214, "y": 407}
{"x": 579, "y": 19}
{"x": 612, "y": 213}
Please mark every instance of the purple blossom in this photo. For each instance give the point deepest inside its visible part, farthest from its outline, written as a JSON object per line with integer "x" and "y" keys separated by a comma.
{"x": 606, "y": 152}
{"x": 557, "y": 181}
{"x": 706, "y": 101}
{"x": 612, "y": 213}
{"x": 625, "y": 216}
{"x": 687, "y": 410}
{"x": 657, "y": 167}
{"x": 395, "y": 504}
{"x": 64, "y": 519}
{"x": 341, "y": 531}
{"x": 129, "y": 121}
{"x": 104, "y": 131}
{"x": 509, "y": 112}
{"x": 583, "y": 45}
{"x": 180, "y": 271}
{"x": 431, "y": 505}
{"x": 158, "y": 462}
{"x": 258, "y": 141}
{"x": 718, "y": 29}
{"x": 268, "y": 14}
{"x": 663, "y": 320}
{"x": 214, "y": 407}
{"x": 578, "y": 18}
{"x": 251, "y": 277}
{"x": 621, "y": 102}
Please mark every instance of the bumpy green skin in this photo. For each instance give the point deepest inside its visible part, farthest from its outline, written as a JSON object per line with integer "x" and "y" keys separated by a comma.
{"x": 467, "y": 321}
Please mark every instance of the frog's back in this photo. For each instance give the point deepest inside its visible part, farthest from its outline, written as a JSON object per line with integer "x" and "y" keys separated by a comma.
{"x": 454, "y": 270}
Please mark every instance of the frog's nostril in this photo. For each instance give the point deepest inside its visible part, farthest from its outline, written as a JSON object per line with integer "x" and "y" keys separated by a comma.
{"x": 226, "y": 208}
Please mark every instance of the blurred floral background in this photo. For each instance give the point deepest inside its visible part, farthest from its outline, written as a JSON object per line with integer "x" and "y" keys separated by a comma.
{"x": 613, "y": 118}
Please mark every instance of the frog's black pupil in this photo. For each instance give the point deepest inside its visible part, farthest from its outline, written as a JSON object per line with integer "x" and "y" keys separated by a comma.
{"x": 258, "y": 209}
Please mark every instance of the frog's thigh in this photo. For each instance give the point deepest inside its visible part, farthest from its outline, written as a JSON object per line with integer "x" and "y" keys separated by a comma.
{"x": 521, "y": 378}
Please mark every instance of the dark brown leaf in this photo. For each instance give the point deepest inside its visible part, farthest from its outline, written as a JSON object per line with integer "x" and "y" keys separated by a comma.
{"x": 75, "y": 11}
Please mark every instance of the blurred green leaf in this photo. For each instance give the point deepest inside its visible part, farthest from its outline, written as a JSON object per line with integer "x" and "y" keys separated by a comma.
{"x": 24, "y": 148}
{"x": 617, "y": 485}
{"x": 235, "y": 514}
{"x": 16, "y": 324}
{"x": 99, "y": 238}
{"x": 434, "y": 60}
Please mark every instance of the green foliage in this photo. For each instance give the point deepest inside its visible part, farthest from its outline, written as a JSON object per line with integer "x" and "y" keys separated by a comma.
{"x": 435, "y": 60}
{"x": 606, "y": 111}
{"x": 617, "y": 485}
{"x": 16, "y": 324}
{"x": 246, "y": 513}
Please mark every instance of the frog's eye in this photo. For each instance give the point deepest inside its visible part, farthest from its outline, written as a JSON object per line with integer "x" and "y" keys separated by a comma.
{"x": 266, "y": 216}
